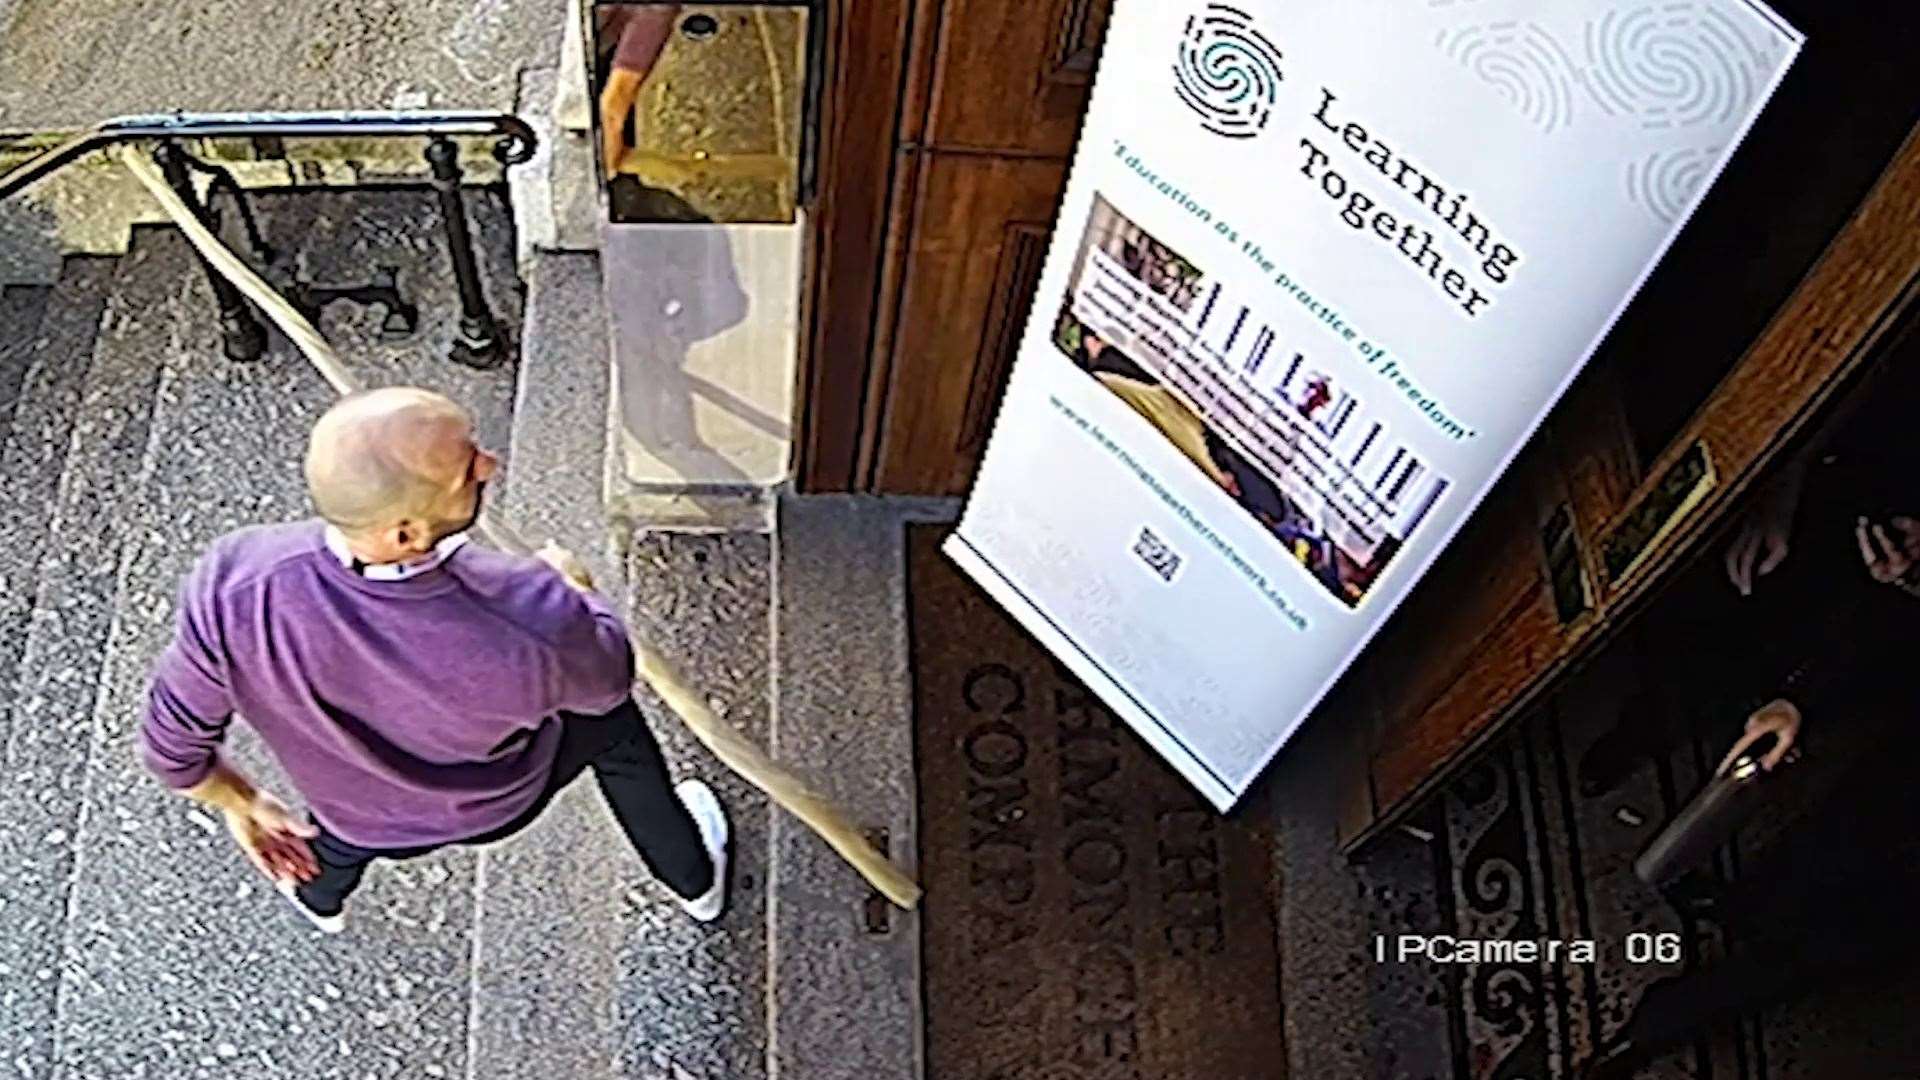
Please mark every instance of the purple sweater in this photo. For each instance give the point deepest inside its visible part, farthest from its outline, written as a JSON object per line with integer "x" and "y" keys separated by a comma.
{"x": 407, "y": 713}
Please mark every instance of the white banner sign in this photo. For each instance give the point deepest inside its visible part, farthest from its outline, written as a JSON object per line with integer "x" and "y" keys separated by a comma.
{"x": 1322, "y": 268}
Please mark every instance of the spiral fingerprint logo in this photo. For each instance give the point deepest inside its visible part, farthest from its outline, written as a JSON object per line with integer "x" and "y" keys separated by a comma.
{"x": 1523, "y": 63}
{"x": 1676, "y": 66}
{"x": 1228, "y": 72}
{"x": 1664, "y": 182}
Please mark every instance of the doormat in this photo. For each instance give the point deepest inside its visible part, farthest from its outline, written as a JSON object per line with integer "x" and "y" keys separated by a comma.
{"x": 1088, "y": 916}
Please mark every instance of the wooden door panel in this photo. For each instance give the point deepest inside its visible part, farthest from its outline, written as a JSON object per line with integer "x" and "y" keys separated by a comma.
{"x": 1594, "y": 452}
{"x": 970, "y": 267}
{"x": 1827, "y": 134}
{"x": 1735, "y": 343}
{"x": 923, "y": 262}
{"x": 1860, "y": 287}
{"x": 1023, "y": 254}
{"x": 1013, "y": 75}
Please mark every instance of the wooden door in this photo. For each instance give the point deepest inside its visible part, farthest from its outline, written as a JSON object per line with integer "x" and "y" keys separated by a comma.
{"x": 980, "y": 226}
{"x": 928, "y": 244}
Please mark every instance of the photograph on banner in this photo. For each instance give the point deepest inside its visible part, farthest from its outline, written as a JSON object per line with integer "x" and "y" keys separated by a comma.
{"x": 1294, "y": 446}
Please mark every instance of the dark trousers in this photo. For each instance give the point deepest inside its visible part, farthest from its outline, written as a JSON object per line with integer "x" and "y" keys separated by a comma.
{"x": 633, "y": 777}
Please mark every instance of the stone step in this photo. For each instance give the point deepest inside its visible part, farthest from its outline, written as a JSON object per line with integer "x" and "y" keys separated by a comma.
{"x": 29, "y": 244}
{"x": 547, "y": 915}
{"x": 556, "y": 195}
{"x": 21, "y": 307}
{"x": 553, "y": 479}
{"x": 20, "y": 319}
{"x": 343, "y": 237}
{"x": 90, "y": 523}
{"x": 177, "y": 960}
{"x": 847, "y": 995}
{"x": 33, "y": 450}
{"x": 529, "y": 184}
{"x": 693, "y": 999}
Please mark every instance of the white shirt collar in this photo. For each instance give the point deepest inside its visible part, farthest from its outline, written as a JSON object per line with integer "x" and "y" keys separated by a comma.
{"x": 442, "y": 551}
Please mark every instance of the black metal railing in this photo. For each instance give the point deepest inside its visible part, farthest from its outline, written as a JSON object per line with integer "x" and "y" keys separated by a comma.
{"x": 479, "y": 343}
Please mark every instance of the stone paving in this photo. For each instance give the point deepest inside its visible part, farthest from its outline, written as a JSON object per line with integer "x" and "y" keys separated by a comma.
{"x": 155, "y": 950}
{"x": 68, "y": 65}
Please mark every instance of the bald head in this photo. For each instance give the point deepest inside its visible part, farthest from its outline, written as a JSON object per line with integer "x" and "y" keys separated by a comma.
{"x": 385, "y": 456}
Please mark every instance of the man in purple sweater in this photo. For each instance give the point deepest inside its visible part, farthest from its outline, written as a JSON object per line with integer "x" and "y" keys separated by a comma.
{"x": 418, "y": 690}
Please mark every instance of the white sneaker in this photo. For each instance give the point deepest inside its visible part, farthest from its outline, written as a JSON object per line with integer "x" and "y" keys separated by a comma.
{"x": 704, "y": 805}
{"x": 328, "y": 924}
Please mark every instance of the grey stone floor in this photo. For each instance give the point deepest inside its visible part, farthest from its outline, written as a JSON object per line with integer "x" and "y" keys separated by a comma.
{"x": 849, "y": 994}
{"x": 693, "y": 999}
{"x": 64, "y": 65}
{"x": 547, "y": 929}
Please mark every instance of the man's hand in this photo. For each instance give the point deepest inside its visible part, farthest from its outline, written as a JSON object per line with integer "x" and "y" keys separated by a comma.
{"x": 616, "y": 103}
{"x": 567, "y": 563}
{"x": 1889, "y": 558}
{"x": 1762, "y": 543}
{"x": 1780, "y": 719}
{"x": 1758, "y": 550}
{"x": 273, "y": 839}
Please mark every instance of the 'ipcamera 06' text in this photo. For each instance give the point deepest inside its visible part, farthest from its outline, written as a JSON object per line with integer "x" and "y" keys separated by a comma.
{"x": 1447, "y": 949}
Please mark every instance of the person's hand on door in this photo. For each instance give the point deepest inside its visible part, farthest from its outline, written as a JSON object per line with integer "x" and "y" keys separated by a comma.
{"x": 1890, "y": 551}
{"x": 1779, "y": 719}
{"x": 1765, "y": 536}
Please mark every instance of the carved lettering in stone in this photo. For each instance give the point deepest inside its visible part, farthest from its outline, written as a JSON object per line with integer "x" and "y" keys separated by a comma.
{"x": 1105, "y": 979}
{"x": 994, "y": 928}
{"x": 994, "y": 680}
{"x": 999, "y": 816}
{"x": 1191, "y": 896}
{"x": 999, "y": 834}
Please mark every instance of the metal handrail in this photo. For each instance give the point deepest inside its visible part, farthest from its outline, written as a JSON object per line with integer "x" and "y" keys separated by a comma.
{"x": 479, "y": 343}
{"x": 515, "y": 147}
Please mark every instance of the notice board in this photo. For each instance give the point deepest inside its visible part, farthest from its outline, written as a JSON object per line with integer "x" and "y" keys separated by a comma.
{"x": 1321, "y": 269}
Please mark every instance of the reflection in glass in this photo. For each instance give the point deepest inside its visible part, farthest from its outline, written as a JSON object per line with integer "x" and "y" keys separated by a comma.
{"x": 700, "y": 110}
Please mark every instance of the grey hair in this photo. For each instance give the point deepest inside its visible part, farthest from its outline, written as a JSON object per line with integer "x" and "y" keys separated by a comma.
{"x": 357, "y": 474}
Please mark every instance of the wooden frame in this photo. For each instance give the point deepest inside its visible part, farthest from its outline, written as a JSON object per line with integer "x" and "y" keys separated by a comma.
{"x": 866, "y": 46}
